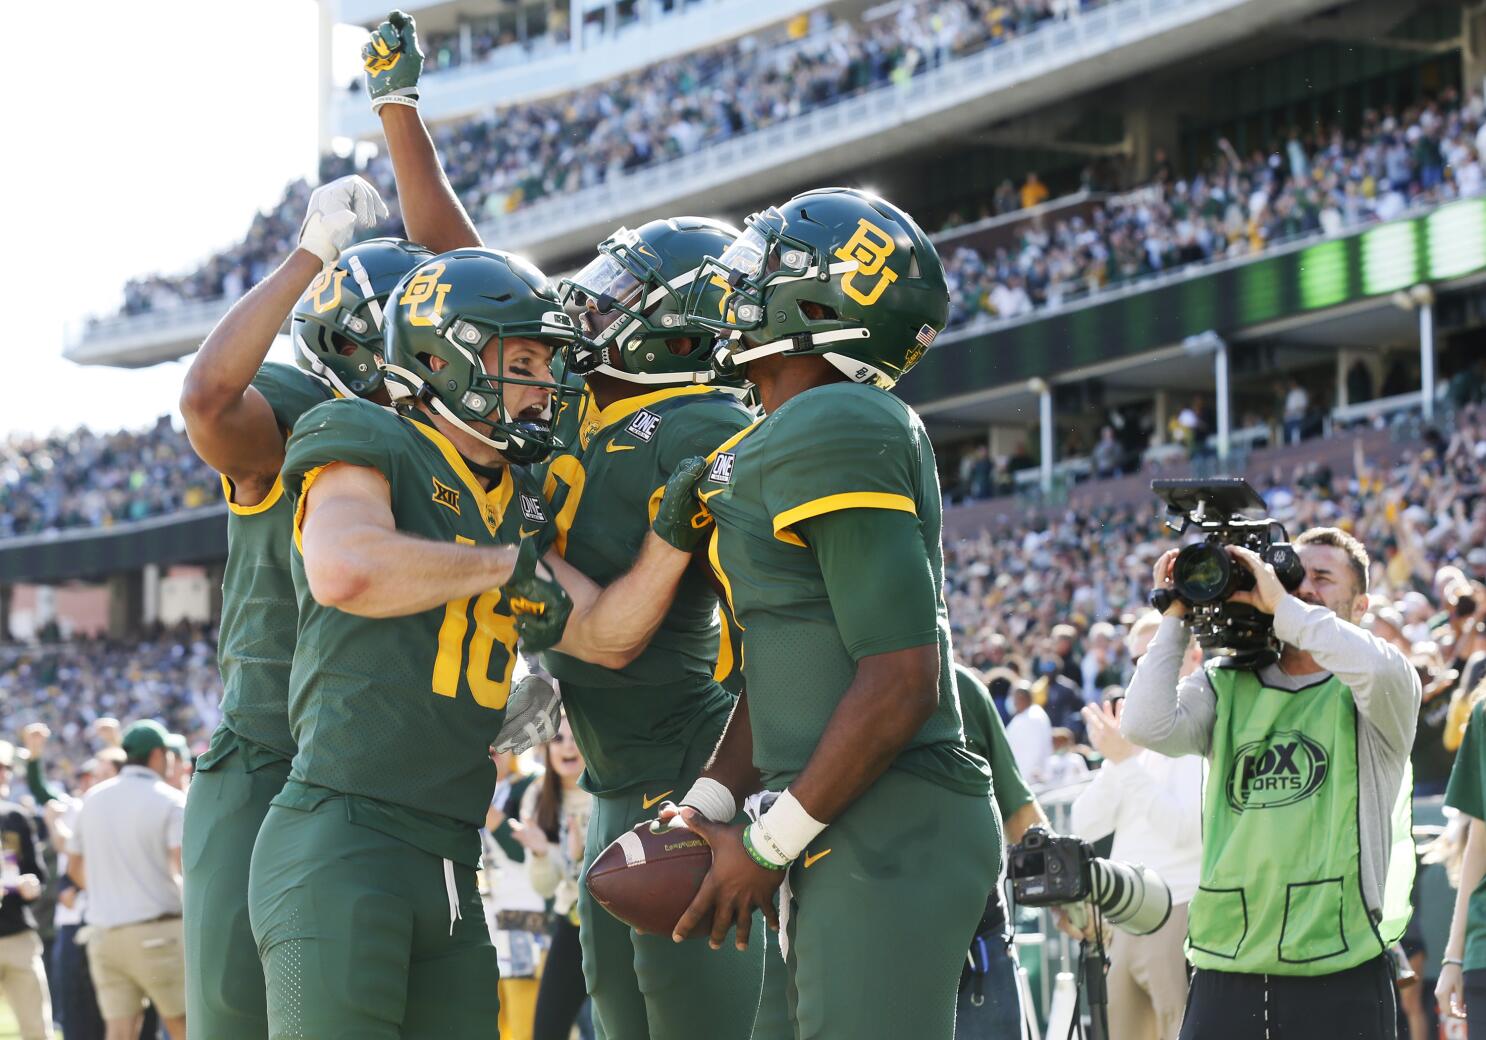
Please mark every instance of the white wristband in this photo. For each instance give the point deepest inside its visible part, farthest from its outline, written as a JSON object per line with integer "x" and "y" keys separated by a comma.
{"x": 411, "y": 100}
{"x": 782, "y": 832}
{"x": 712, "y": 799}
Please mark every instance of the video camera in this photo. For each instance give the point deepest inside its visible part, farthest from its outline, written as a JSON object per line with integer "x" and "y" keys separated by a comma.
{"x": 1204, "y": 575}
{"x": 1054, "y": 870}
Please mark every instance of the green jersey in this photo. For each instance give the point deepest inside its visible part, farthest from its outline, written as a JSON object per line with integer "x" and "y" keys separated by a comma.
{"x": 403, "y": 710}
{"x": 1467, "y": 792}
{"x": 634, "y": 724}
{"x": 985, "y": 734}
{"x": 259, "y": 612}
{"x": 843, "y": 446}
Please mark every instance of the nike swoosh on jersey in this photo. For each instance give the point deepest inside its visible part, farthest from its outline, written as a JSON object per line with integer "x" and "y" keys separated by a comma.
{"x": 527, "y": 534}
{"x": 702, "y": 496}
{"x": 811, "y": 860}
{"x": 619, "y": 447}
{"x": 646, "y": 801}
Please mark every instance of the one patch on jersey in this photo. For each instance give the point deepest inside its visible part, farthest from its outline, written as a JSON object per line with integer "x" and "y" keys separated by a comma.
{"x": 446, "y": 496}
{"x": 531, "y": 509}
{"x": 643, "y": 425}
{"x": 722, "y": 469}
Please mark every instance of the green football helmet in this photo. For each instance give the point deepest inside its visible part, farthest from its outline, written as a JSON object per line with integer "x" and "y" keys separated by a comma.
{"x": 630, "y": 302}
{"x": 450, "y": 308}
{"x": 872, "y": 279}
{"x": 337, "y": 325}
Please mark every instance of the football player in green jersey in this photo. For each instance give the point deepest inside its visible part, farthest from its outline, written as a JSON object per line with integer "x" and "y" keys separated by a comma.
{"x": 646, "y": 729}
{"x": 238, "y": 412}
{"x": 876, "y": 828}
{"x": 407, "y": 524}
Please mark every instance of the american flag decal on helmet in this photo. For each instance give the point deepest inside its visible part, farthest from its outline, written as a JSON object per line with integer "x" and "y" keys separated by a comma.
{"x": 925, "y": 336}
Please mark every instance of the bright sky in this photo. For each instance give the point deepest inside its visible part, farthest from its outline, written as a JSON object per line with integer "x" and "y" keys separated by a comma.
{"x": 149, "y": 133}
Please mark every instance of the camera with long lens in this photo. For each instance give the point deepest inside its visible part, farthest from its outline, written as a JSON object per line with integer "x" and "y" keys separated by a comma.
{"x": 1056, "y": 870}
{"x": 1205, "y": 576}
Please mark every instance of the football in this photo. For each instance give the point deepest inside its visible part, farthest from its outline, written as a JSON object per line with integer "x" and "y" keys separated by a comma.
{"x": 648, "y": 876}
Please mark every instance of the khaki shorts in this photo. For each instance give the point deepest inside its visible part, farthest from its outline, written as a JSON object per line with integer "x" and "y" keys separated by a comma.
{"x": 135, "y": 962}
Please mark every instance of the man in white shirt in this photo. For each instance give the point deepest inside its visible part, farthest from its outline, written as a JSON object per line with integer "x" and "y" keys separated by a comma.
{"x": 1153, "y": 804}
{"x": 1030, "y": 733}
{"x": 126, "y": 852}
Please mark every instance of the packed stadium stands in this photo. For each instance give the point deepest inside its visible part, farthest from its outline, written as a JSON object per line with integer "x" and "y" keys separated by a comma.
{"x": 87, "y": 479}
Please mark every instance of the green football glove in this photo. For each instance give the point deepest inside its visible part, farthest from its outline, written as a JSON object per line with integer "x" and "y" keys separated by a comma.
{"x": 335, "y": 212}
{"x": 539, "y": 604}
{"x": 681, "y": 520}
{"x": 393, "y": 62}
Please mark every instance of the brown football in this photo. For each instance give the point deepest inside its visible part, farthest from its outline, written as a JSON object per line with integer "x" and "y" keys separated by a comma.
{"x": 647, "y": 878}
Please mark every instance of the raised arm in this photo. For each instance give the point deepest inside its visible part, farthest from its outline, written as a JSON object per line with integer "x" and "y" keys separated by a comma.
{"x": 431, "y": 212}
{"x": 230, "y": 424}
{"x": 356, "y": 560}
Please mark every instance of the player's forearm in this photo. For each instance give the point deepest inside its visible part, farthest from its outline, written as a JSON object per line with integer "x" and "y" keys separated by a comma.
{"x": 1472, "y": 869}
{"x": 229, "y": 358}
{"x": 889, "y": 700}
{"x": 611, "y": 626}
{"x": 1029, "y": 815}
{"x": 234, "y": 431}
{"x": 431, "y": 213}
{"x": 732, "y": 762}
{"x": 376, "y": 573}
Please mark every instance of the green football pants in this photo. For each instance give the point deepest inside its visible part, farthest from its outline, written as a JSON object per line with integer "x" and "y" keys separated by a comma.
{"x": 885, "y": 904}
{"x": 361, "y": 937}
{"x": 646, "y": 987}
{"x": 224, "y": 979}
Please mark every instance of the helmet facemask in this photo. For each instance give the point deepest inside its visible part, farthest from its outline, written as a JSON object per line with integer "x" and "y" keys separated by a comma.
{"x": 628, "y": 313}
{"x": 472, "y": 397}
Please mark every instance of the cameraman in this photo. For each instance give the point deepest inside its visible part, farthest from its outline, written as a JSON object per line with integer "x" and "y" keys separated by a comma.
{"x": 1288, "y": 931}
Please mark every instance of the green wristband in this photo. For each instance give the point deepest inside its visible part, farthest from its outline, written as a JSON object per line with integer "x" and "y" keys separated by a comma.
{"x": 754, "y": 855}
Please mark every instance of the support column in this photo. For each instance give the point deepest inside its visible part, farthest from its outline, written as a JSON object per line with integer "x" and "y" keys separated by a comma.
{"x": 1044, "y": 394}
{"x": 1426, "y": 357}
{"x": 1220, "y": 379}
{"x": 325, "y": 55}
{"x": 1473, "y": 46}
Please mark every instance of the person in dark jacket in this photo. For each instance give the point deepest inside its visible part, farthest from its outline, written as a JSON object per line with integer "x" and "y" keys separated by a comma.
{"x": 22, "y": 877}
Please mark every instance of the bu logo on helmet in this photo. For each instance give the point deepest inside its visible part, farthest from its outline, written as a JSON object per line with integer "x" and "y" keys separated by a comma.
{"x": 420, "y": 290}
{"x": 325, "y": 290}
{"x": 1286, "y": 768}
{"x": 869, "y": 246}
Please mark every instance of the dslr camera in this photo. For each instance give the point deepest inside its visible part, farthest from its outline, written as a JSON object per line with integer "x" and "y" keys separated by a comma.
{"x": 1205, "y": 576}
{"x": 1059, "y": 869}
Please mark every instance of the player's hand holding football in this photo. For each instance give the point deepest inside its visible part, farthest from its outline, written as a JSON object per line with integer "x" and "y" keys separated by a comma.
{"x": 681, "y": 520}
{"x": 336, "y": 210}
{"x": 393, "y": 62}
{"x": 732, "y": 889}
{"x": 536, "y": 600}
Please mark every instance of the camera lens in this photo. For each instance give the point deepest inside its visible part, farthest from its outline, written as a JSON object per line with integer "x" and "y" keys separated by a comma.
{"x": 1201, "y": 573}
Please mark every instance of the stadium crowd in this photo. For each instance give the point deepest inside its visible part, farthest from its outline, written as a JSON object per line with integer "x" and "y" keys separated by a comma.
{"x": 86, "y": 479}
{"x": 1234, "y": 206}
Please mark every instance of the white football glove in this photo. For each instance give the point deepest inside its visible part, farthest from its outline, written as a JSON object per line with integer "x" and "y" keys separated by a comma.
{"x": 532, "y": 713}
{"x": 336, "y": 210}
